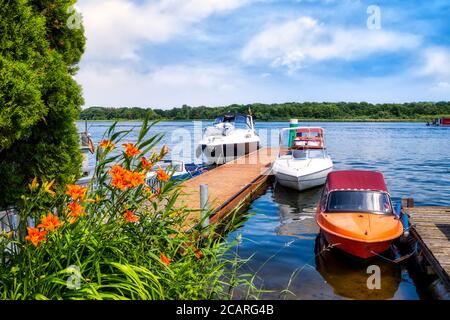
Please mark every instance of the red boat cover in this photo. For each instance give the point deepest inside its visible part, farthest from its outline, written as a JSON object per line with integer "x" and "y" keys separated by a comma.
{"x": 356, "y": 180}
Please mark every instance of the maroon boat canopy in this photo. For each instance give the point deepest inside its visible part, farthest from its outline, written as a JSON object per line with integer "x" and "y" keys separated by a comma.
{"x": 356, "y": 180}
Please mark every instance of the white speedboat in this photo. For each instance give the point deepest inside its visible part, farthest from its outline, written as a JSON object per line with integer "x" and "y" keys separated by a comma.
{"x": 303, "y": 162}
{"x": 231, "y": 136}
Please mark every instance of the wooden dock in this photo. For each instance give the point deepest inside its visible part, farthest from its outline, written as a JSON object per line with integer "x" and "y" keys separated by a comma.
{"x": 431, "y": 227}
{"x": 228, "y": 185}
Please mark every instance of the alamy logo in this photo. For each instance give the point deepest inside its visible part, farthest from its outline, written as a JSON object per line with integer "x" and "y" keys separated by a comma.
{"x": 374, "y": 280}
{"x": 75, "y": 19}
{"x": 374, "y": 19}
{"x": 74, "y": 281}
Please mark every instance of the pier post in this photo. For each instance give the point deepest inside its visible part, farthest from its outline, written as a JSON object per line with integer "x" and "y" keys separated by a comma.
{"x": 204, "y": 205}
{"x": 407, "y": 202}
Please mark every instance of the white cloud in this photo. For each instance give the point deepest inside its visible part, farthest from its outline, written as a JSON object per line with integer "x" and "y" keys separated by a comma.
{"x": 117, "y": 28}
{"x": 167, "y": 86}
{"x": 436, "y": 64}
{"x": 213, "y": 85}
{"x": 298, "y": 42}
{"x": 443, "y": 85}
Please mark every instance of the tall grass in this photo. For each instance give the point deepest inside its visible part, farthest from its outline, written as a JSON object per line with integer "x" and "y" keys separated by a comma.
{"x": 107, "y": 253}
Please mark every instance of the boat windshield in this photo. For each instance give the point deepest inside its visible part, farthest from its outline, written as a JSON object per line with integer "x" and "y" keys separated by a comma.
{"x": 359, "y": 201}
{"x": 238, "y": 120}
{"x": 307, "y": 154}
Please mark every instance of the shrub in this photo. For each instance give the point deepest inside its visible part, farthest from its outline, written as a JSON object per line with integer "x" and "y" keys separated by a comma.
{"x": 39, "y": 99}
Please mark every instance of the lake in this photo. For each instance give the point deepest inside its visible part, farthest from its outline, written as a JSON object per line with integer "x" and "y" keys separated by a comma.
{"x": 281, "y": 232}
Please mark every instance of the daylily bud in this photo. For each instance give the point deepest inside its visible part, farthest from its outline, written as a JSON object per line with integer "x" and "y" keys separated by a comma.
{"x": 164, "y": 151}
{"x": 48, "y": 187}
{"x": 34, "y": 184}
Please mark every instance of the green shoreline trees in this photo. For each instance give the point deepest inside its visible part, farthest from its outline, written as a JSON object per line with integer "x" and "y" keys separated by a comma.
{"x": 283, "y": 111}
{"x": 39, "y": 99}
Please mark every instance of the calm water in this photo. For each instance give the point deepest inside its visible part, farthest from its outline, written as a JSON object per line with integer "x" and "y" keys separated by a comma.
{"x": 282, "y": 234}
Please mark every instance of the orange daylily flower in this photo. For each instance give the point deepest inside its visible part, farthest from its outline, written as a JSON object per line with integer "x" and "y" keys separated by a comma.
{"x": 145, "y": 164}
{"x": 50, "y": 222}
{"x": 106, "y": 144}
{"x": 123, "y": 179}
{"x": 136, "y": 179}
{"x": 76, "y": 192}
{"x": 35, "y": 235}
{"x": 130, "y": 216}
{"x": 131, "y": 150}
{"x": 162, "y": 175}
{"x": 75, "y": 211}
{"x": 117, "y": 173}
{"x": 164, "y": 259}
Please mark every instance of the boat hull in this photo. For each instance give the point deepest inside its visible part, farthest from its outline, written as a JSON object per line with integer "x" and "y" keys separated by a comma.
{"x": 304, "y": 182}
{"x": 220, "y": 154}
{"x": 359, "y": 249}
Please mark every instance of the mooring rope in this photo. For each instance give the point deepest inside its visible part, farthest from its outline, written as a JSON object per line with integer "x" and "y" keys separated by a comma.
{"x": 407, "y": 256}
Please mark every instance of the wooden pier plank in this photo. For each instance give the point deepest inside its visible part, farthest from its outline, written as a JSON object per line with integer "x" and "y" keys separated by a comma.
{"x": 432, "y": 229}
{"x": 229, "y": 183}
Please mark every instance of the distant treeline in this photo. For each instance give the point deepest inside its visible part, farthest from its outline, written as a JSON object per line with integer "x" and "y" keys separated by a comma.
{"x": 283, "y": 111}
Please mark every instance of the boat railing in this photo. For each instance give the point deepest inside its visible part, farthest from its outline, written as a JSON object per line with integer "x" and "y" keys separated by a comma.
{"x": 312, "y": 140}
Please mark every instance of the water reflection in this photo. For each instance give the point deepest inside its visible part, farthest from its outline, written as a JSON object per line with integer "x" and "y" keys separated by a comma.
{"x": 297, "y": 210}
{"x": 348, "y": 277}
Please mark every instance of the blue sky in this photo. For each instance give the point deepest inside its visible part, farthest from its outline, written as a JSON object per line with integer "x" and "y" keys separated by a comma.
{"x": 166, "y": 53}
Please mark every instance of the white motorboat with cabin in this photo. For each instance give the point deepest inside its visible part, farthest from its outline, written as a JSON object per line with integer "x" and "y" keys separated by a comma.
{"x": 303, "y": 161}
{"x": 231, "y": 136}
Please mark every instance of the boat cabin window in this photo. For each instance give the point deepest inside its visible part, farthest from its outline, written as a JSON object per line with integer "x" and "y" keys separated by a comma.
{"x": 359, "y": 201}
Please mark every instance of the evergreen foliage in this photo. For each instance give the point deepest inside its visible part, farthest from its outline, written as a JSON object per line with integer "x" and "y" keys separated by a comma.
{"x": 39, "y": 99}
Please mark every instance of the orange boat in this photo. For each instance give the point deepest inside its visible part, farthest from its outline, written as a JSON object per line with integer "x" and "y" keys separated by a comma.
{"x": 355, "y": 213}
